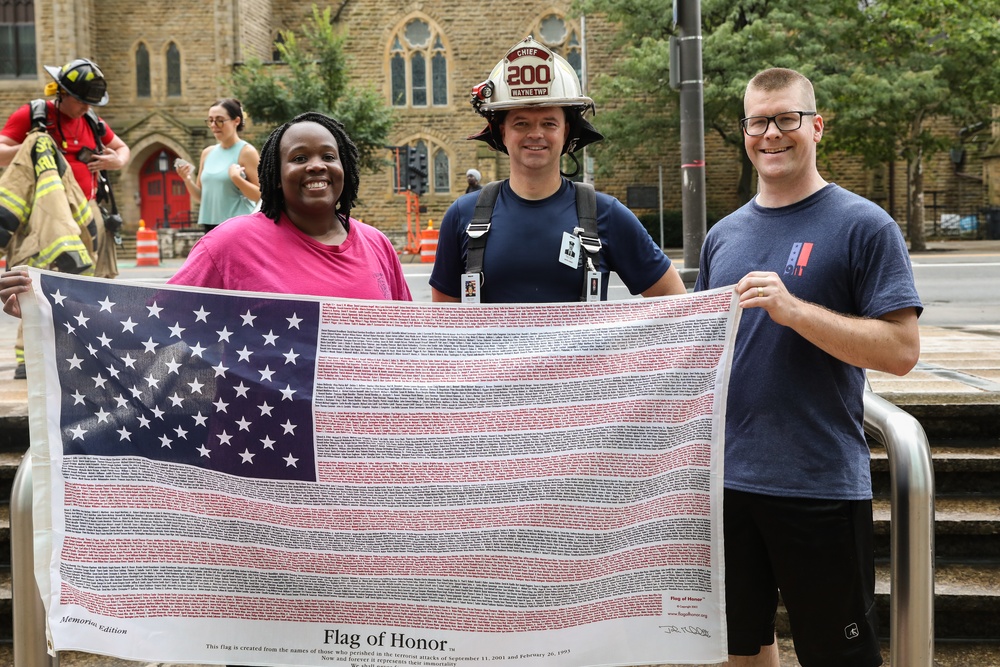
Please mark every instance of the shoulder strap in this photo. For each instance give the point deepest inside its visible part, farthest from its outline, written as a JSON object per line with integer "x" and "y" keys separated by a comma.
{"x": 96, "y": 127}
{"x": 39, "y": 114}
{"x": 479, "y": 227}
{"x": 586, "y": 213}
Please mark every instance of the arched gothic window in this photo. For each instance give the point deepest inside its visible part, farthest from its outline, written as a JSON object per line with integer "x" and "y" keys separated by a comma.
{"x": 418, "y": 66}
{"x": 173, "y": 71}
{"x": 563, "y": 37}
{"x": 438, "y": 166}
{"x": 142, "y": 85}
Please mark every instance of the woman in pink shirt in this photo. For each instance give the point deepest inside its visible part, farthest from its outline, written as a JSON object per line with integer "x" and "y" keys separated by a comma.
{"x": 303, "y": 240}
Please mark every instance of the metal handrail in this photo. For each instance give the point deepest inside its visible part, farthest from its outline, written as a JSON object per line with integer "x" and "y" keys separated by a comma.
{"x": 30, "y": 649}
{"x": 911, "y": 581}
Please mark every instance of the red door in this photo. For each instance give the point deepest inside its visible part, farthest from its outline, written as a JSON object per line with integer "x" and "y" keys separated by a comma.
{"x": 165, "y": 200}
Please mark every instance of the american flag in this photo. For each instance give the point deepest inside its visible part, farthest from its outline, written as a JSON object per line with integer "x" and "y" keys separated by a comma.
{"x": 232, "y": 466}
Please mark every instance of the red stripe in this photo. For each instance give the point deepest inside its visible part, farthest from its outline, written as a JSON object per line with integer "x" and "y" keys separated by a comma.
{"x": 462, "y": 619}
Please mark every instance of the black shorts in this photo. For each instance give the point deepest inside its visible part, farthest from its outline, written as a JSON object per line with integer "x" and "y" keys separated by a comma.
{"x": 819, "y": 555}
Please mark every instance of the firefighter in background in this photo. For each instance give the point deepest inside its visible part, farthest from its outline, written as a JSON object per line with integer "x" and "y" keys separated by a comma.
{"x": 537, "y": 236}
{"x": 85, "y": 141}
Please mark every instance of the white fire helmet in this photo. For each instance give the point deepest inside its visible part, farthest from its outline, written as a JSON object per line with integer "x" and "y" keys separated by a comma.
{"x": 532, "y": 75}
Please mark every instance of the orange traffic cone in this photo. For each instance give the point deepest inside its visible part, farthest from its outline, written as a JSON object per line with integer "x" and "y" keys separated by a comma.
{"x": 147, "y": 246}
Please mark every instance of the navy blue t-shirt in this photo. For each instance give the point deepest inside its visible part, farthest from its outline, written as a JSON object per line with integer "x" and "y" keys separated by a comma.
{"x": 521, "y": 263}
{"x": 794, "y": 416}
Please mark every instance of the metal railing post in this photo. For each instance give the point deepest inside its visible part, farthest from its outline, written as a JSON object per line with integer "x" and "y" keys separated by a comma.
{"x": 911, "y": 582}
{"x": 30, "y": 649}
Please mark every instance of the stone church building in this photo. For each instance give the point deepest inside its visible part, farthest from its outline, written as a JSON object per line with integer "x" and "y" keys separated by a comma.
{"x": 167, "y": 63}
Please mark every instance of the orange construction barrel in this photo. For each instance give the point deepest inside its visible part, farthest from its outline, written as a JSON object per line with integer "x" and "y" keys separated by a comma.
{"x": 147, "y": 246}
{"x": 428, "y": 243}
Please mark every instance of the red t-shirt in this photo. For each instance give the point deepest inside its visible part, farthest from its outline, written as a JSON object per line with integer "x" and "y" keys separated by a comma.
{"x": 70, "y": 135}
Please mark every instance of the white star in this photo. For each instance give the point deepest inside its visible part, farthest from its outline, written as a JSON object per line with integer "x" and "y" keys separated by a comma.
{"x": 246, "y": 456}
{"x": 121, "y": 401}
{"x": 220, "y": 405}
{"x": 81, "y": 320}
{"x": 128, "y": 325}
{"x": 144, "y": 421}
{"x": 199, "y": 419}
{"x": 289, "y": 427}
{"x": 102, "y": 416}
{"x": 266, "y": 374}
{"x": 201, "y": 314}
{"x": 241, "y": 390}
{"x": 224, "y": 334}
{"x": 176, "y": 400}
{"x": 78, "y": 398}
{"x": 204, "y": 451}
{"x": 106, "y": 304}
{"x": 268, "y": 443}
{"x": 136, "y": 392}
{"x": 291, "y": 356}
{"x": 128, "y": 361}
{"x": 113, "y": 372}
{"x": 152, "y": 381}
{"x": 293, "y": 321}
{"x": 181, "y": 433}
{"x": 243, "y": 424}
{"x": 92, "y": 350}
{"x": 58, "y": 298}
{"x": 105, "y": 341}
{"x": 172, "y": 367}
{"x": 220, "y": 370}
{"x": 176, "y": 330}
{"x": 154, "y": 310}
{"x": 124, "y": 435}
{"x": 158, "y": 413}
{"x": 290, "y": 461}
{"x": 70, "y": 329}
{"x": 165, "y": 441}
{"x": 78, "y": 431}
{"x": 98, "y": 381}
{"x": 244, "y": 354}
{"x": 150, "y": 345}
{"x": 286, "y": 393}
{"x": 269, "y": 338}
{"x": 248, "y": 319}
{"x": 224, "y": 438}
{"x": 195, "y": 386}
{"x": 196, "y": 350}
{"x": 74, "y": 362}
{"x": 265, "y": 409}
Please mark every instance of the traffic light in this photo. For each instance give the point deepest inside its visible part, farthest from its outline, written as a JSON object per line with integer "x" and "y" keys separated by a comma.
{"x": 416, "y": 171}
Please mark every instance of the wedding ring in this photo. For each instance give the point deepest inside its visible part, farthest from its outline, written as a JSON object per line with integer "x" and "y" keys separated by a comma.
{"x": 760, "y": 292}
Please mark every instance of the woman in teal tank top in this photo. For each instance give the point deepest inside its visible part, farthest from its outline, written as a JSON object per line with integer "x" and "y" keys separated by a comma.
{"x": 227, "y": 182}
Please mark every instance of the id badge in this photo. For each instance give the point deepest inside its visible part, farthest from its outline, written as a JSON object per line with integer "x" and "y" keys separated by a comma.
{"x": 569, "y": 251}
{"x": 470, "y": 288}
{"x": 593, "y": 285}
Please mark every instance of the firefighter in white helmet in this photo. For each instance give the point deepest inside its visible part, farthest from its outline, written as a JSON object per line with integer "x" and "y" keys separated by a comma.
{"x": 537, "y": 236}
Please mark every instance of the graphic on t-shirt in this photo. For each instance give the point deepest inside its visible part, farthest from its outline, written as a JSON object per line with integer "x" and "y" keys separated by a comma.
{"x": 798, "y": 258}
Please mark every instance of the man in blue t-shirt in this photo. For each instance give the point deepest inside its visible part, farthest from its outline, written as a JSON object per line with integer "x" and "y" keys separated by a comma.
{"x": 533, "y": 250}
{"x": 826, "y": 284}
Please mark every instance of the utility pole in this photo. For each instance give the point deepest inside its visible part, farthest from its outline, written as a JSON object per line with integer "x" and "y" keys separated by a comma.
{"x": 686, "y": 76}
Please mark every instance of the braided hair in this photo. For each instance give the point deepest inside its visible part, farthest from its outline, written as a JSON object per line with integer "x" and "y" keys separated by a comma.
{"x": 272, "y": 198}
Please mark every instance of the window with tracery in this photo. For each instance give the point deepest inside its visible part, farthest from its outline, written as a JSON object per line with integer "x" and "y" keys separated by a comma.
{"x": 142, "y": 84}
{"x": 418, "y": 66}
{"x": 438, "y": 166}
{"x": 563, "y": 37}
{"x": 17, "y": 39}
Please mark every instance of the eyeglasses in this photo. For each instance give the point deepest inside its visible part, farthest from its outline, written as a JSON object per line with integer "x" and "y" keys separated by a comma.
{"x": 788, "y": 121}
{"x": 216, "y": 121}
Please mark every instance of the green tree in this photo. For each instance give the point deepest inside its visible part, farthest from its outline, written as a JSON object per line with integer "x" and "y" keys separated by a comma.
{"x": 316, "y": 77}
{"x": 915, "y": 61}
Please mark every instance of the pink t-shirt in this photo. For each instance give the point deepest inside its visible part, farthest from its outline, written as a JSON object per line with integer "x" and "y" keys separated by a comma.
{"x": 252, "y": 253}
